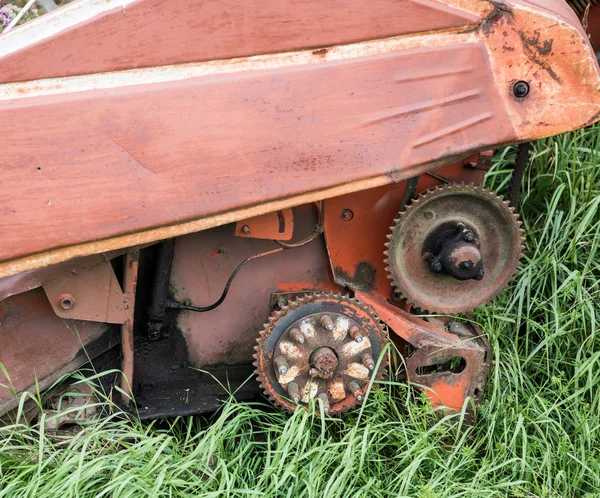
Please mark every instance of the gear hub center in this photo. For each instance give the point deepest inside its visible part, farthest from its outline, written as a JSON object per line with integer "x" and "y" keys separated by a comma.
{"x": 324, "y": 362}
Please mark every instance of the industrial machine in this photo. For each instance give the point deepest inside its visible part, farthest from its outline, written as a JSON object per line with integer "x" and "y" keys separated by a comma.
{"x": 215, "y": 189}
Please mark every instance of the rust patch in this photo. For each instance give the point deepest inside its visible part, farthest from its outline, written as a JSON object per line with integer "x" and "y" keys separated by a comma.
{"x": 365, "y": 276}
{"x": 320, "y": 51}
{"x": 536, "y": 51}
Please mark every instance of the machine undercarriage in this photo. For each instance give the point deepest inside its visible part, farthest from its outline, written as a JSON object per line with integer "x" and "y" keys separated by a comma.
{"x": 300, "y": 200}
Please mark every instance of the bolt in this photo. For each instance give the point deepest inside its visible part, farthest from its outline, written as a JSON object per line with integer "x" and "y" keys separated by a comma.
{"x": 67, "y": 301}
{"x": 468, "y": 235}
{"x": 356, "y": 391}
{"x": 282, "y": 302}
{"x": 325, "y": 399}
{"x": 355, "y": 334}
{"x": 187, "y": 302}
{"x": 246, "y": 230}
{"x": 297, "y": 336}
{"x": 326, "y": 322}
{"x": 480, "y": 275}
{"x": 466, "y": 265}
{"x": 436, "y": 266}
{"x": 521, "y": 89}
{"x": 313, "y": 372}
{"x": 347, "y": 214}
{"x": 294, "y": 391}
{"x": 368, "y": 362}
{"x": 281, "y": 364}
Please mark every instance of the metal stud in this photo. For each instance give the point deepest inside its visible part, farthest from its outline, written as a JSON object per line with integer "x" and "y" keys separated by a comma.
{"x": 325, "y": 399}
{"x": 355, "y": 334}
{"x": 356, "y": 391}
{"x": 294, "y": 391}
{"x": 368, "y": 362}
{"x": 282, "y": 365}
{"x": 327, "y": 323}
{"x": 297, "y": 336}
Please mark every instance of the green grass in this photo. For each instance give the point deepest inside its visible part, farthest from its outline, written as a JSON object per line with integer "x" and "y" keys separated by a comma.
{"x": 537, "y": 432}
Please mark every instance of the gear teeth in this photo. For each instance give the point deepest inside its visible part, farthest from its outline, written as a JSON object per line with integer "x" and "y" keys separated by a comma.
{"x": 299, "y": 301}
{"x": 415, "y": 203}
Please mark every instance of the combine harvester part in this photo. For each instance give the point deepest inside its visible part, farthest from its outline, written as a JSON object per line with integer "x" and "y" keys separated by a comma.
{"x": 172, "y": 182}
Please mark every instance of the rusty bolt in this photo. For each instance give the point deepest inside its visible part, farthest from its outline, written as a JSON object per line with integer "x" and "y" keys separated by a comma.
{"x": 436, "y": 266}
{"x": 368, "y": 362}
{"x": 294, "y": 391}
{"x": 281, "y": 364}
{"x": 297, "y": 336}
{"x": 468, "y": 235}
{"x": 67, "y": 301}
{"x": 282, "y": 302}
{"x": 480, "y": 275}
{"x": 326, "y": 322}
{"x": 356, "y": 391}
{"x": 325, "y": 399}
{"x": 246, "y": 230}
{"x": 355, "y": 334}
{"x": 347, "y": 215}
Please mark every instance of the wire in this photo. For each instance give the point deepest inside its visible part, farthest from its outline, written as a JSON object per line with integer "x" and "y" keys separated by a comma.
{"x": 316, "y": 232}
{"x": 172, "y": 304}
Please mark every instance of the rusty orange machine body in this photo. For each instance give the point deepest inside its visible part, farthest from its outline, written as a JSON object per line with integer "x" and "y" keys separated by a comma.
{"x": 261, "y": 156}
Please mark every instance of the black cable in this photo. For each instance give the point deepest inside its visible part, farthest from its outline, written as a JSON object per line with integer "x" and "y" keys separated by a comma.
{"x": 514, "y": 189}
{"x": 172, "y": 304}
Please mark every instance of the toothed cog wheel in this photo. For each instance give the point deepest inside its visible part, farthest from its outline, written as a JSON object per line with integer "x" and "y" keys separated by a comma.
{"x": 323, "y": 346}
{"x": 454, "y": 248}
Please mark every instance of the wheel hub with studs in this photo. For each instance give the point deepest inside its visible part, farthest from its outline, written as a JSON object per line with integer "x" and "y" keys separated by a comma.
{"x": 320, "y": 346}
{"x": 454, "y": 248}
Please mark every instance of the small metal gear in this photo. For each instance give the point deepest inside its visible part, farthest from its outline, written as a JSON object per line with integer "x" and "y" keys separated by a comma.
{"x": 323, "y": 346}
{"x": 454, "y": 248}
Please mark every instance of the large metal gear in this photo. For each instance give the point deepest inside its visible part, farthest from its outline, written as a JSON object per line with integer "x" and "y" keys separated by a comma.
{"x": 323, "y": 346}
{"x": 454, "y": 248}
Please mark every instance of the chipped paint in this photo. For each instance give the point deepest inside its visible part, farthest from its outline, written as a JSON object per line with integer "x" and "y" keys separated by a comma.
{"x": 358, "y": 371}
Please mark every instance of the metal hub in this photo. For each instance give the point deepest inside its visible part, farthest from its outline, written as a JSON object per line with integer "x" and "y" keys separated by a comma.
{"x": 454, "y": 248}
{"x": 320, "y": 346}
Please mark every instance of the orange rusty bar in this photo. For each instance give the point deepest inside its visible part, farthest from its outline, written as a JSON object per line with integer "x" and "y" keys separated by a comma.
{"x": 129, "y": 284}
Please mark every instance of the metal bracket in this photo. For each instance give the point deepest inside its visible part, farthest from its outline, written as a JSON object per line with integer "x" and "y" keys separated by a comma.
{"x": 278, "y": 225}
{"x": 91, "y": 294}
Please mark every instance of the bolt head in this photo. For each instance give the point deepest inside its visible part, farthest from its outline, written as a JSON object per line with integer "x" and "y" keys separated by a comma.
{"x": 521, "y": 89}
{"x": 347, "y": 214}
{"x": 283, "y": 370}
{"x": 480, "y": 275}
{"x": 359, "y": 397}
{"x": 358, "y": 338}
{"x": 436, "y": 266}
{"x": 67, "y": 301}
{"x": 300, "y": 340}
{"x": 468, "y": 236}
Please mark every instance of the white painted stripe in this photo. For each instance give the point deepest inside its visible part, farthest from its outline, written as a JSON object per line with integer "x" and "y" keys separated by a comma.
{"x": 180, "y": 72}
{"x": 55, "y": 22}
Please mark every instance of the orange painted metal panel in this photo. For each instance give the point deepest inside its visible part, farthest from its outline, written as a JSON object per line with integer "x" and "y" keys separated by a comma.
{"x": 97, "y": 164}
{"x": 149, "y": 33}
